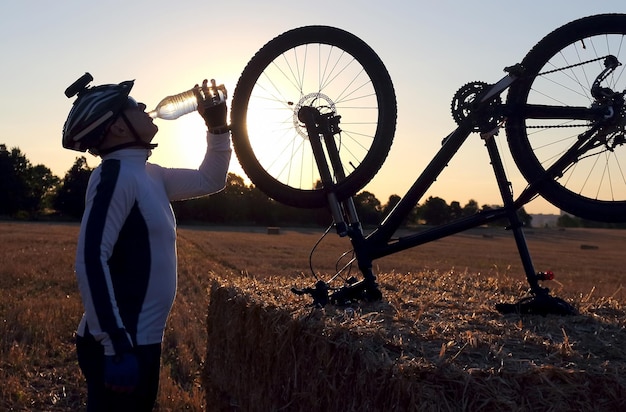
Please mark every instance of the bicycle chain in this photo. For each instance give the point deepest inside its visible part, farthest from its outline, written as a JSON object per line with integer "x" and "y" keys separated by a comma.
{"x": 562, "y": 126}
{"x": 558, "y": 70}
{"x": 573, "y": 65}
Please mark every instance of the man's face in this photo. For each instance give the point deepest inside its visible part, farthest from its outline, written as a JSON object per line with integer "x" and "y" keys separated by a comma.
{"x": 139, "y": 119}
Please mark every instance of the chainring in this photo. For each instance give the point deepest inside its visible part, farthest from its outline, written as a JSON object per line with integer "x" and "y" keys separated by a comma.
{"x": 464, "y": 105}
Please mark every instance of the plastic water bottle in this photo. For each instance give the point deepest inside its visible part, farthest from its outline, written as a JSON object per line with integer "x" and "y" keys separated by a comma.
{"x": 172, "y": 107}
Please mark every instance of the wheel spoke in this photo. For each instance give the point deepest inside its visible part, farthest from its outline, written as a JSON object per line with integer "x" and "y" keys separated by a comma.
{"x": 323, "y": 68}
{"x": 576, "y": 97}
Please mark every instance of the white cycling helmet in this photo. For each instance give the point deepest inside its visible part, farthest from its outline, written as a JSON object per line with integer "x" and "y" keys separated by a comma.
{"x": 94, "y": 110}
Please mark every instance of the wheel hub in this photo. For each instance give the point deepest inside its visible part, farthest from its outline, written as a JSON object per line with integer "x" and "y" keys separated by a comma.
{"x": 318, "y": 100}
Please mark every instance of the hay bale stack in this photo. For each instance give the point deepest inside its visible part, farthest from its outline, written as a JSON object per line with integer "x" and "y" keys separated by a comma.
{"x": 435, "y": 343}
{"x": 273, "y": 230}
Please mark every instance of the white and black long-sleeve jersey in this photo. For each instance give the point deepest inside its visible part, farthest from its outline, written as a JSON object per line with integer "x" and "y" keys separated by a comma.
{"x": 126, "y": 256}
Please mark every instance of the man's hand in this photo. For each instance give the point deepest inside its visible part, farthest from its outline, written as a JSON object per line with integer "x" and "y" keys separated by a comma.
{"x": 210, "y": 108}
{"x": 121, "y": 372}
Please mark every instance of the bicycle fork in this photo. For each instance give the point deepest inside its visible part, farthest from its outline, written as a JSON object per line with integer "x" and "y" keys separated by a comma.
{"x": 343, "y": 212}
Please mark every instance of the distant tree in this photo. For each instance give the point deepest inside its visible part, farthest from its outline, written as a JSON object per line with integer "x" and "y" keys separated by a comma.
{"x": 455, "y": 210}
{"x": 23, "y": 187}
{"x": 435, "y": 211}
{"x": 368, "y": 208}
{"x": 42, "y": 184}
{"x": 566, "y": 220}
{"x": 471, "y": 208}
{"x": 240, "y": 204}
{"x": 234, "y": 183}
{"x": 526, "y": 219}
{"x": 13, "y": 187}
{"x": 260, "y": 208}
{"x": 501, "y": 222}
{"x": 70, "y": 195}
{"x": 391, "y": 203}
{"x": 522, "y": 215}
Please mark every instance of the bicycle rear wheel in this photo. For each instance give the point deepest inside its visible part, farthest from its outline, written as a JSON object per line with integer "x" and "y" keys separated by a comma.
{"x": 551, "y": 107}
{"x": 326, "y": 68}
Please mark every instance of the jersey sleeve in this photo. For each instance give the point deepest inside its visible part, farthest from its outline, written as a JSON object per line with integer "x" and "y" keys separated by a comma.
{"x": 210, "y": 177}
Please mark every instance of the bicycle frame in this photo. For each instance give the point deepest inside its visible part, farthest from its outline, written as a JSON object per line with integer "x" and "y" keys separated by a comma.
{"x": 379, "y": 243}
{"x": 477, "y": 108}
{"x": 563, "y": 132}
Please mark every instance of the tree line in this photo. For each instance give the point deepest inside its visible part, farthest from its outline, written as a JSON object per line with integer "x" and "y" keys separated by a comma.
{"x": 33, "y": 192}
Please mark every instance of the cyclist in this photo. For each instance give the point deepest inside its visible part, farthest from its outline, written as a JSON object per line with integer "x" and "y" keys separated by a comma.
{"x": 126, "y": 256}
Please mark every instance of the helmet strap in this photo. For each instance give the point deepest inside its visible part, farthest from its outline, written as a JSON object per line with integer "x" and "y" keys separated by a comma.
{"x": 136, "y": 143}
{"x": 138, "y": 140}
{"x": 102, "y": 152}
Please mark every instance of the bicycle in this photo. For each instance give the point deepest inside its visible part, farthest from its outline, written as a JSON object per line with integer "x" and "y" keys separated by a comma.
{"x": 314, "y": 114}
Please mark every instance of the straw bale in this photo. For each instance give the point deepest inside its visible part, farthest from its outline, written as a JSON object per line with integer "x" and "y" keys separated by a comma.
{"x": 434, "y": 343}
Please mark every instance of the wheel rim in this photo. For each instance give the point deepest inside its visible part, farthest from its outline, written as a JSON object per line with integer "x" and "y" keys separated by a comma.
{"x": 598, "y": 178}
{"x": 309, "y": 75}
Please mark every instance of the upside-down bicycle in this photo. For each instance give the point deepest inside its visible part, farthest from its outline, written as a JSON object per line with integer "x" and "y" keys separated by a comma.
{"x": 314, "y": 114}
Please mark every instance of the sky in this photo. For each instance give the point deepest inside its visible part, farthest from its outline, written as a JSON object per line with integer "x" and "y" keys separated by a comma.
{"x": 430, "y": 48}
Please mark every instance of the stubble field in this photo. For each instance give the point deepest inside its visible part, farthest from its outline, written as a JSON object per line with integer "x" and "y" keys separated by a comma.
{"x": 40, "y": 305}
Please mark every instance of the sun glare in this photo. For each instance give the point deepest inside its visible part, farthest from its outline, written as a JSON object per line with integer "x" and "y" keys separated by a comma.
{"x": 181, "y": 143}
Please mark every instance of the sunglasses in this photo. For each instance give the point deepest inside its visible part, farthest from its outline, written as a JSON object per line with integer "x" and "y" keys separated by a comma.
{"x": 131, "y": 103}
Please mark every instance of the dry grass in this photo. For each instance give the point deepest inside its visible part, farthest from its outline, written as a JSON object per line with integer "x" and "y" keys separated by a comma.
{"x": 40, "y": 309}
{"x": 434, "y": 343}
{"x": 40, "y": 306}
{"x": 485, "y": 251}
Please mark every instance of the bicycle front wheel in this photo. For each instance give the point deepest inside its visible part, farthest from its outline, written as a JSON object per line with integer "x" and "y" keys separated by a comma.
{"x": 552, "y": 110}
{"x": 333, "y": 71}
